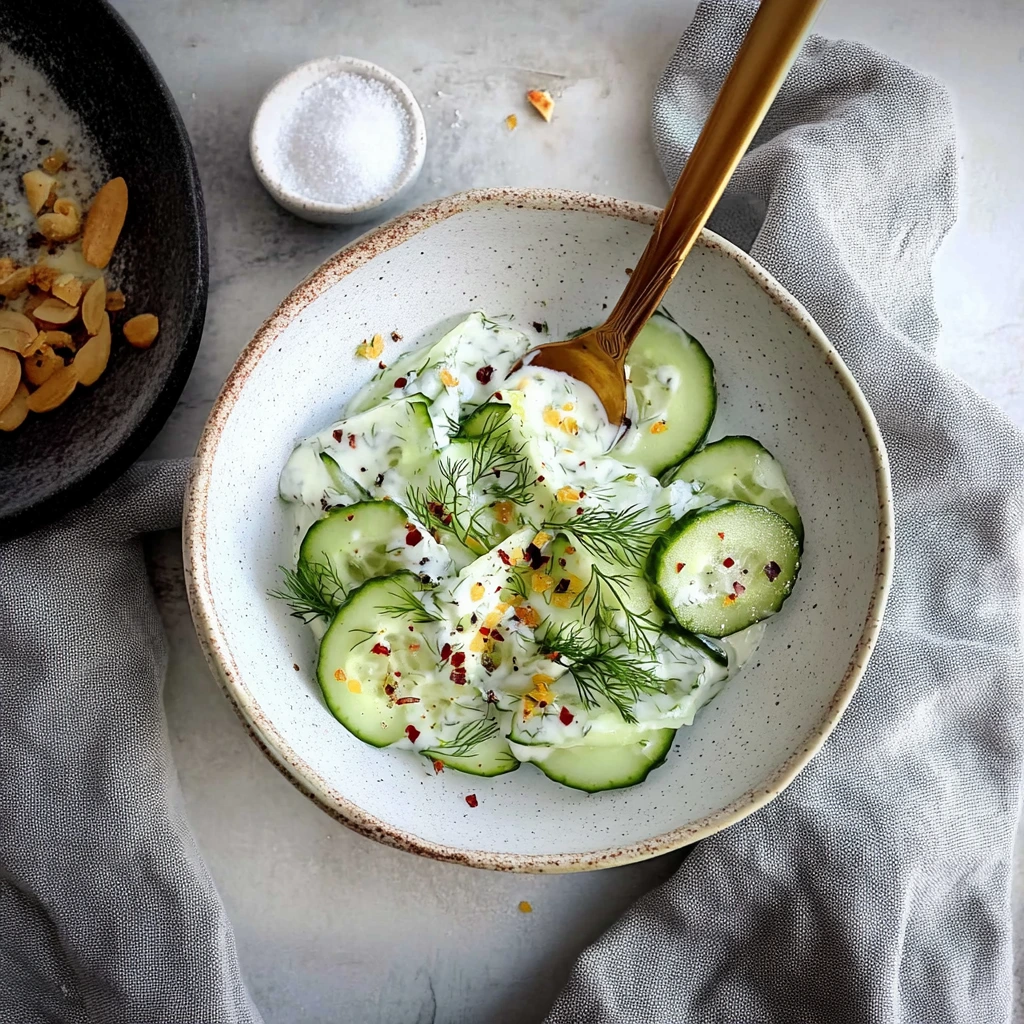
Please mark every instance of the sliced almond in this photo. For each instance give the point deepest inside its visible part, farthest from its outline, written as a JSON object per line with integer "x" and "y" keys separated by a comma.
{"x": 10, "y": 320}
{"x": 16, "y": 282}
{"x": 93, "y": 305}
{"x": 141, "y": 330}
{"x": 38, "y": 186}
{"x": 53, "y": 311}
{"x": 32, "y": 301}
{"x": 41, "y": 364}
{"x": 541, "y": 101}
{"x": 67, "y": 288}
{"x": 55, "y": 339}
{"x": 43, "y": 276}
{"x": 10, "y": 376}
{"x": 104, "y": 222}
{"x": 13, "y": 414}
{"x": 55, "y": 391}
{"x": 55, "y": 161}
{"x": 62, "y": 224}
{"x": 7, "y": 267}
{"x": 115, "y": 301}
{"x": 91, "y": 358}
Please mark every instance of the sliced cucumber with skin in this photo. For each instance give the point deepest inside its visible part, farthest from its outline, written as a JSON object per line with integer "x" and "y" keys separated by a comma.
{"x": 724, "y": 567}
{"x": 740, "y": 469}
{"x": 493, "y": 757}
{"x": 368, "y": 539}
{"x": 603, "y": 761}
{"x": 352, "y": 677}
{"x": 673, "y": 380}
{"x": 704, "y": 644}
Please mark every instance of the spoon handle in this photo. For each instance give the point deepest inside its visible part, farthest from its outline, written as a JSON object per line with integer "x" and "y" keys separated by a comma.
{"x": 768, "y": 51}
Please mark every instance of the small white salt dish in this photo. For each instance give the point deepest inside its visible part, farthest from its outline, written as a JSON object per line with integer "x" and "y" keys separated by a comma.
{"x": 282, "y": 105}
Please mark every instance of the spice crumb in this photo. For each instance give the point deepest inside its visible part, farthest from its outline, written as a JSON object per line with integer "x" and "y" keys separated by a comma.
{"x": 472, "y": 800}
{"x": 524, "y": 907}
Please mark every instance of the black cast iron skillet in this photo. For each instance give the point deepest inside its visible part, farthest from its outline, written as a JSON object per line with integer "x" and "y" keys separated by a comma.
{"x": 58, "y": 460}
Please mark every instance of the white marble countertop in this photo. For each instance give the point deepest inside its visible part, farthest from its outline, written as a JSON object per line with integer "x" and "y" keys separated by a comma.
{"x": 330, "y": 925}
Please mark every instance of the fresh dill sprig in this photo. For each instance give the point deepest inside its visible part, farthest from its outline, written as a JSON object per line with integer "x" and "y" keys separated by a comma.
{"x": 491, "y": 323}
{"x": 599, "y": 671}
{"x": 605, "y": 606}
{"x": 516, "y": 586}
{"x": 625, "y": 537}
{"x": 408, "y": 607}
{"x": 467, "y": 739}
{"x": 313, "y": 590}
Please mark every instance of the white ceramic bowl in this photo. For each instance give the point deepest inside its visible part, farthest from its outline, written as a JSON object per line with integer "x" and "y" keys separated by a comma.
{"x": 275, "y": 108}
{"x": 559, "y": 257}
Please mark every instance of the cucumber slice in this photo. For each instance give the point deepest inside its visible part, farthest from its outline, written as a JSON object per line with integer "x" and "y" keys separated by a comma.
{"x": 379, "y": 449}
{"x": 704, "y": 644}
{"x": 369, "y": 539}
{"x": 341, "y": 482}
{"x": 741, "y": 469}
{"x": 493, "y": 418}
{"x": 603, "y": 761}
{"x": 722, "y": 568}
{"x": 352, "y": 677}
{"x": 490, "y": 758}
{"x": 673, "y": 381}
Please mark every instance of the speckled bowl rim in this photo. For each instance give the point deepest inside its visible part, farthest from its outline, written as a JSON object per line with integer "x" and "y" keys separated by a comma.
{"x": 300, "y": 204}
{"x": 214, "y": 637}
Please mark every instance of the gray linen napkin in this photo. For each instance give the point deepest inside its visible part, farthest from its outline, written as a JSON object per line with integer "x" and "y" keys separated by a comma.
{"x": 107, "y": 914}
{"x": 876, "y": 888}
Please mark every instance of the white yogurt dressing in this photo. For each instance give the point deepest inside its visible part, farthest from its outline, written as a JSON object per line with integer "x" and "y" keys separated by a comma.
{"x": 398, "y": 441}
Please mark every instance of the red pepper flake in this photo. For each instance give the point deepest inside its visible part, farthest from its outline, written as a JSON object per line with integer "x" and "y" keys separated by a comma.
{"x": 296, "y": 667}
{"x": 350, "y": 517}
{"x": 446, "y": 652}
{"x": 535, "y": 557}
{"x": 772, "y": 570}
{"x": 413, "y": 537}
{"x": 395, "y": 336}
{"x": 438, "y": 767}
{"x": 721, "y": 536}
{"x": 497, "y": 637}
{"x": 491, "y": 698}
{"x": 458, "y": 676}
{"x": 400, "y": 382}
{"x": 565, "y": 716}
{"x": 484, "y": 374}
{"x": 458, "y": 658}
{"x": 540, "y": 479}
{"x": 380, "y": 649}
{"x": 738, "y": 588}
{"x": 561, "y": 586}
{"x": 338, "y": 435}
{"x": 583, "y": 464}
{"x": 484, "y": 631}
{"x": 728, "y": 563}
{"x": 504, "y": 558}
{"x": 412, "y": 732}
{"x": 389, "y": 689}
{"x": 680, "y": 566}
{"x": 398, "y": 675}
{"x": 408, "y": 700}
{"x": 382, "y": 365}
{"x": 351, "y": 440}
{"x": 472, "y": 800}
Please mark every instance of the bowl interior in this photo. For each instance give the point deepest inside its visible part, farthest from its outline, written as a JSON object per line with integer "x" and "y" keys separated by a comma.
{"x": 94, "y": 64}
{"x": 559, "y": 263}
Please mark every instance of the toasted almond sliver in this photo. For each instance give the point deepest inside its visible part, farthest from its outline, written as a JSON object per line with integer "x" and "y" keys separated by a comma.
{"x": 55, "y": 391}
{"x": 15, "y": 341}
{"x": 17, "y": 322}
{"x": 62, "y": 224}
{"x": 43, "y": 276}
{"x": 104, "y": 222}
{"x": 67, "y": 288}
{"x": 93, "y": 305}
{"x": 53, "y": 311}
{"x": 55, "y": 339}
{"x": 41, "y": 365}
{"x": 13, "y": 415}
{"x": 91, "y": 359}
{"x": 38, "y": 186}
{"x": 10, "y": 376}
{"x": 15, "y": 283}
{"x": 141, "y": 330}
{"x": 115, "y": 301}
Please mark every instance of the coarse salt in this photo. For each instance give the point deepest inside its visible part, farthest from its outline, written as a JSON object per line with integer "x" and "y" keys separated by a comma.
{"x": 347, "y": 141}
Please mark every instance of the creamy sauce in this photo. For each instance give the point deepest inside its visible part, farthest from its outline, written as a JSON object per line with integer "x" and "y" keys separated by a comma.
{"x": 522, "y": 530}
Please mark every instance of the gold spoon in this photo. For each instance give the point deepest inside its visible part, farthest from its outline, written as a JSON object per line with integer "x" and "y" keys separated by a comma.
{"x": 598, "y": 357}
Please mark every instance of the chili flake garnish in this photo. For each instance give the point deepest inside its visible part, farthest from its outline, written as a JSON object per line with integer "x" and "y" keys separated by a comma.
{"x": 497, "y": 637}
{"x": 380, "y": 649}
{"x": 484, "y": 374}
{"x": 565, "y": 716}
{"x": 389, "y": 689}
{"x": 524, "y": 907}
{"x": 412, "y": 732}
{"x": 772, "y": 570}
{"x": 350, "y": 517}
{"x": 395, "y": 336}
{"x": 338, "y": 435}
{"x": 339, "y": 674}
{"x": 458, "y": 658}
{"x": 729, "y": 599}
{"x": 472, "y": 800}
{"x": 446, "y": 652}
{"x": 504, "y": 557}
{"x": 536, "y": 558}
{"x": 400, "y": 382}
{"x": 680, "y": 566}
{"x": 413, "y": 537}
{"x": 562, "y": 585}
{"x": 458, "y": 676}
{"x": 484, "y": 631}
{"x": 721, "y": 536}
{"x": 408, "y": 700}
{"x": 438, "y": 767}
{"x": 738, "y": 588}
{"x": 351, "y": 440}
{"x": 728, "y": 563}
